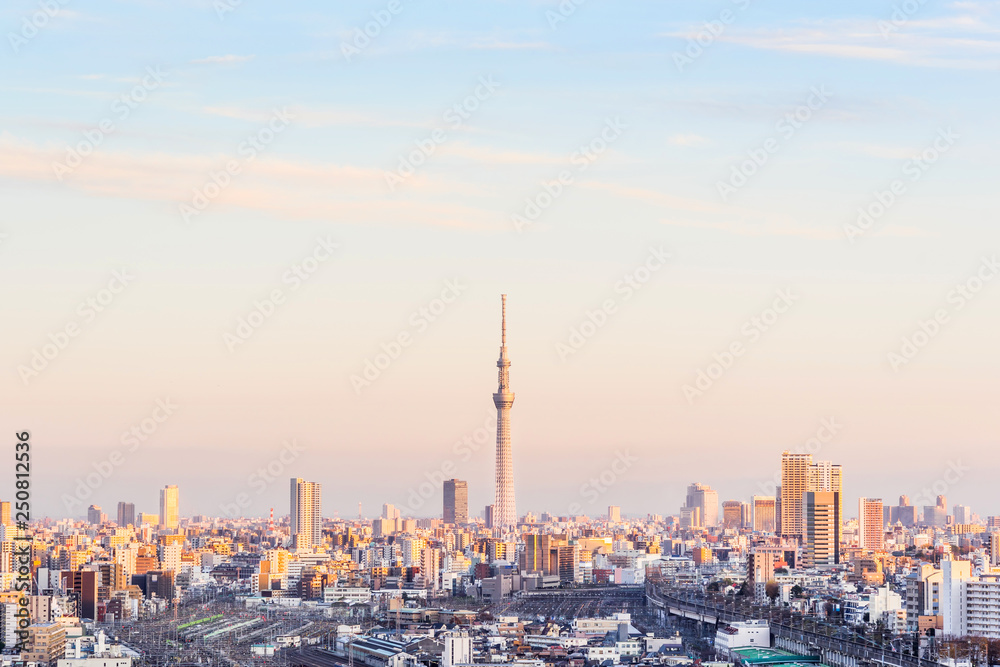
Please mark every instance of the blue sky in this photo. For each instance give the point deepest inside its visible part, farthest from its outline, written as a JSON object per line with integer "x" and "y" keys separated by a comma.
{"x": 891, "y": 88}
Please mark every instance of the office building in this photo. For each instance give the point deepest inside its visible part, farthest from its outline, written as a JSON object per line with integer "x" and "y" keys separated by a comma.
{"x": 535, "y": 557}
{"x": 962, "y": 514}
{"x": 5, "y": 513}
{"x": 935, "y": 515}
{"x": 305, "y": 512}
{"x": 169, "y": 505}
{"x": 800, "y": 475}
{"x": 904, "y": 513}
{"x": 794, "y": 485}
{"x": 126, "y": 514}
{"x": 82, "y": 585}
{"x": 871, "y": 531}
{"x": 691, "y": 517}
{"x": 456, "y": 501}
{"x": 706, "y": 500}
{"x": 821, "y": 528}
{"x": 825, "y": 476}
{"x": 764, "y": 514}
{"x": 504, "y": 514}
{"x": 94, "y": 515}
{"x": 735, "y": 514}
{"x": 390, "y": 511}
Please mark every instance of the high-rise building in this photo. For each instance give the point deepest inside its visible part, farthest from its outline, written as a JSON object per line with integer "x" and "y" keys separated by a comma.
{"x": 904, "y": 513}
{"x": 732, "y": 514}
{"x": 389, "y": 511}
{"x": 763, "y": 514}
{"x": 456, "y": 501}
{"x": 457, "y": 649}
{"x": 504, "y": 507}
{"x": 126, "y": 514}
{"x": 488, "y": 515}
{"x": 535, "y": 557}
{"x": 691, "y": 517}
{"x": 935, "y": 515}
{"x": 614, "y": 514}
{"x": 83, "y": 583}
{"x": 821, "y": 528}
{"x": 794, "y": 484}
{"x": 5, "y": 513}
{"x": 800, "y": 475}
{"x": 871, "y": 530}
{"x": 94, "y": 515}
{"x": 962, "y": 514}
{"x": 305, "y": 513}
{"x": 430, "y": 567}
{"x": 825, "y": 476}
{"x": 707, "y": 501}
{"x": 994, "y": 549}
{"x": 169, "y": 504}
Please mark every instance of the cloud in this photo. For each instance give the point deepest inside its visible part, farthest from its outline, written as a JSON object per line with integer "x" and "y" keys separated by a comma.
{"x": 319, "y": 117}
{"x": 487, "y": 155}
{"x": 957, "y": 42}
{"x": 719, "y": 217}
{"x": 687, "y": 140}
{"x": 229, "y": 59}
{"x": 286, "y": 189}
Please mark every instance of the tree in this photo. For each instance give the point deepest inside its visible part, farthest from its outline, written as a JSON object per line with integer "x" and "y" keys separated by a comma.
{"x": 797, "y": 591}
{"x": 713, "y": 587}
{"x": 772, "y": 590}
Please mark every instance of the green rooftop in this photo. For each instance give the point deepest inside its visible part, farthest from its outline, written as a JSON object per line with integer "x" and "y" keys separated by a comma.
{"x": 774, "y": 656}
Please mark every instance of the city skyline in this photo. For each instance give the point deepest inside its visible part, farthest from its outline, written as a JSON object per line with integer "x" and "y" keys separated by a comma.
{"x": 748, "y": 253}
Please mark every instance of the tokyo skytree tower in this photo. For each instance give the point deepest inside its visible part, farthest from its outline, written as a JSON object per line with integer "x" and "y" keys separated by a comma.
{"x": 504, "y": 508}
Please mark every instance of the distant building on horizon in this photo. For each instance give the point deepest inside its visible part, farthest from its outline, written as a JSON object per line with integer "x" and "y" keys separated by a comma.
{"x": 305, "y": 513}
{"x": 614, "y": 513}
{"x": 169, "y": 507}
{"x": 456, "y": 501}
{"x": 871, "y": 530}
{"x": 735, "y": 514}
{"x": 126, "y": 514}
{"x": 764, "y": 514}
{"x": 94, "y": 515}
{"x": 706, "y": 500}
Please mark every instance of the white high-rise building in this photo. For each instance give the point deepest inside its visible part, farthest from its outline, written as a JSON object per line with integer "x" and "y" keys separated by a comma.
{"x": 969, "y": 603}
{"x": 457, "y": 650}
{"x": 305, "y": 514}
{"x": 504, "y": 507}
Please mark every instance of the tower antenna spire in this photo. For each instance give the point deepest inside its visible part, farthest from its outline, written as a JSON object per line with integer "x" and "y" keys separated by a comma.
{"x": 503, "y": 326}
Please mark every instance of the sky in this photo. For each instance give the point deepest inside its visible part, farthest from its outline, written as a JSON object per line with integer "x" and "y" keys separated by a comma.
{"x": 246, "y": 241}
